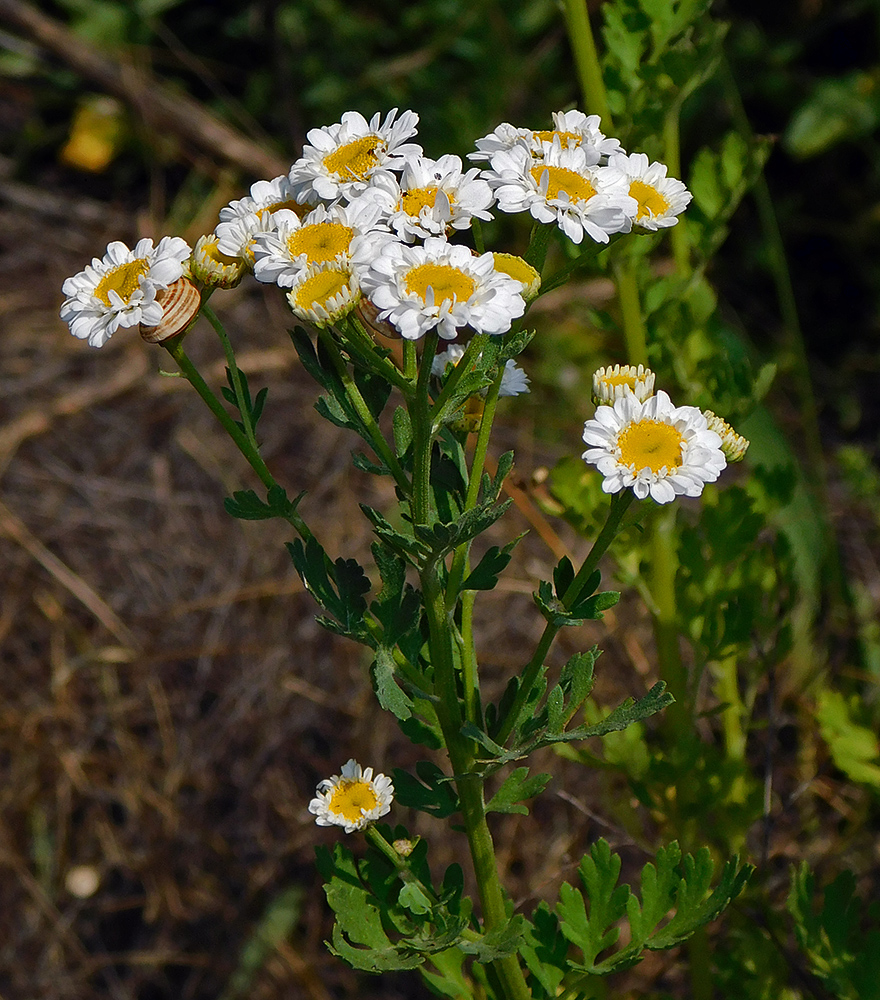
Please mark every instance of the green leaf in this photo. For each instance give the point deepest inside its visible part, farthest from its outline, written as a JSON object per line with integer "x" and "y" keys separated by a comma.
{"x": 517, "y": 787}
{"x": 358, "y": 922}
{"x": 338, "y": 587}
{"x": 402, "y": 428}
{"x": 498, "y": 943}
{"x": 556, "y": 613}
{"x": 431, "y": 792}
{"x": 854, "y": 747}
{"x": 391, "y": 697}
{"x": 594, "y": 931}
{"x": 247, "y": 506}
{"x": 413, "y": 898}
{"x": 485, "y": 574}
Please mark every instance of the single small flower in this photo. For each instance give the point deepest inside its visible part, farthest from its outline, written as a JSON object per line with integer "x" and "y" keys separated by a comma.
{"x": 433, "y": 197}
{"x": 213, "y": 267}
{"x": 352, "y": 799}
{"x": 443, "y": 286}
{"x": 563, "y": 188}
{"x": 611, "y": 383}
{"x": 520, "y": 270}
{"x": 265, "y": 198}
{"x": 236, "y": 236}
{"x": 120, "y": 289}
{"x": 660, "y": 199}
{"x": 324, "y": 295}
{"x": 340, "y": 159}
{"x": 341, "y": 234}
{"x": 733, "y": 445}
{"x": 653, "y": 448}
{"x": 570, "y": 128}
{"x": 514, "y": 380}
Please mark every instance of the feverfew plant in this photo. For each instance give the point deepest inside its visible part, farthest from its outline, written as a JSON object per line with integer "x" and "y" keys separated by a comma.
{"x": 375, "y": 246}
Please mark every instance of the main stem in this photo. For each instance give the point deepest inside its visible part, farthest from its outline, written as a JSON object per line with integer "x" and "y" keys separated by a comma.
{"x": 449, "y": 709}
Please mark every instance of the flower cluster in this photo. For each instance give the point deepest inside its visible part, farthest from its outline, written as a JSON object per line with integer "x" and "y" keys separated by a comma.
{"x": 364, "y": 214}
{"x": 642, "y": 442}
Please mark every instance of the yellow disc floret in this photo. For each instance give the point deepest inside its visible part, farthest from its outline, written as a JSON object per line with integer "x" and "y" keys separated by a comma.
{"x": 651, "y": 202}
{"x": 356, "y": 160}
{"x": 650, "y": 444}
{"x": 124, "y": 280}
{"x": 566, "y": 139}
{"x": 320, "y": 242}
{"x": 561, "y": 179}
{"x": 414, "y": 200}
{"x": 293, "y": 206}
{"x": 321, "y": 287}
{"x": 351, "y": 799}
{"x": 447, "y": 282}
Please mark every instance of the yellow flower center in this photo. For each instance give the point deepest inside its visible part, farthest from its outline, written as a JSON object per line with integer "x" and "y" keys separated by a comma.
{"x": 448, "y": 282}
{"x": 566, "y": 139}
{"x": 321, "y": 287}
{"x": 577, "y": 188}
{"x": 615, "y": 380}
{"x": 355, "y": 160}
{"x": 351, "y": 799}
{"x": 415, "y": 200}
{"x": 294, "y": 206}
{"x": 124, "y": 280}
{"x": 650, "y": 443}
{"x": 516, "y": 267}
{"x": 215, "y": 254}
{"x": 321, "y": 241}
{"x": 651, "y": 202}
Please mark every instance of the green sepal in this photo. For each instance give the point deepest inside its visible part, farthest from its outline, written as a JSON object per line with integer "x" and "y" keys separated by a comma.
{"x": 516, "y": 788}
{"x": 247, "y": 506}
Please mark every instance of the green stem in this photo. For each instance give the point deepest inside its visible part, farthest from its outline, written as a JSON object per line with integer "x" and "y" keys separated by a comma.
{"x": 420, "y": 419}
{"x": 586, "y": 59}
{"x": 354, "y": 332}
{"x": 460, "y": 369}
{"x": 631, "y": 312}
{"x": 234, "y": 374}
{"x": 677, "y": 720}
{"x": 620, "y": 503}
{"x": 474, "y": 483}
{"x": 246, "y": 447}
{"x": 672, "y": 158}
{"x": 375, "y": 436}
{"x": 539, "y": 243}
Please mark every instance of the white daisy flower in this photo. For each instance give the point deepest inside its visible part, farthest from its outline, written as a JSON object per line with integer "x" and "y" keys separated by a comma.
{"x": 660, "y": 198}
{"x": 340, "y": 159}
{"x": 323, "y": 295}
{"x": 353, "y": 799}
{"x": 571, "y": 128}
{"x": 120, "y": 289}
{"x": 434, "y": 196}
{"x": 514, "y": 380}
{"x": 443, "y": 286}
{"x": 563, "y": 188}
{"x": 733, "y": 445}
{"x": 611, "y": 383}
{"x": 505, "y": 137}
{"x": 521, "y": 271}
{"x": 265, "y": 197}
{"x": 654, "y": 448}
{"x": 236, "y": 236}
{"x": 213, "y": 267}
{"x": 345, "y": 234}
